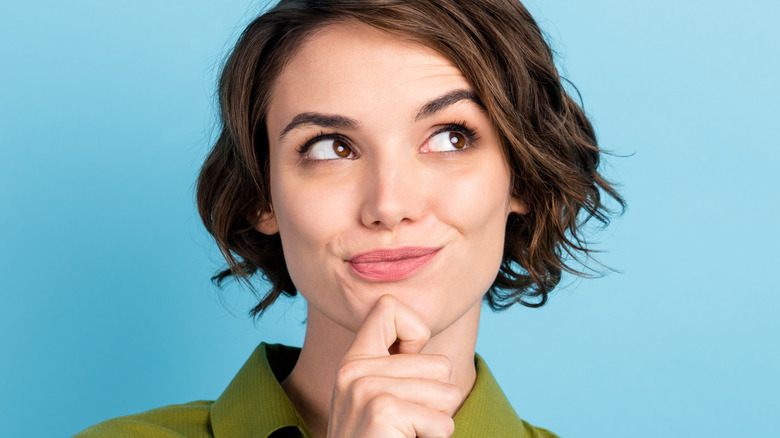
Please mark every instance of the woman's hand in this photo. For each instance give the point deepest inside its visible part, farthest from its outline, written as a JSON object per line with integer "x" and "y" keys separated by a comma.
{"x": 405, "y": 394}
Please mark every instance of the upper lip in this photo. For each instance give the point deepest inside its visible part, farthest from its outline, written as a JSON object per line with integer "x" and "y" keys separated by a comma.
{"x": 389, "y": 255}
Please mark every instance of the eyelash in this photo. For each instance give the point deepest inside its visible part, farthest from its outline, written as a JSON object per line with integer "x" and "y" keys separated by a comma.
{"x": 461, "y": 127}
{"x": 305, "y": 146}
{"x": 471, "y": 134}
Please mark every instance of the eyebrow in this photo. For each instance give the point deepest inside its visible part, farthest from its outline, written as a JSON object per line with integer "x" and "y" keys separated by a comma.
{"x": 319, "y": 119}
{"x": 341, "y": 122}
{"x": 442, "y": 102}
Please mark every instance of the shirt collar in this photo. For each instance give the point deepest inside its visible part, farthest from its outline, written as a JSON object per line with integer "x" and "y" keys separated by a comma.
{"x": 255, "y": 405}
{"x": 487, "y": 411}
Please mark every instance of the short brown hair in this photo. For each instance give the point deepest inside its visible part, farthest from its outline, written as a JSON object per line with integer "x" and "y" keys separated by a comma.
{"x": 546, "y": 138}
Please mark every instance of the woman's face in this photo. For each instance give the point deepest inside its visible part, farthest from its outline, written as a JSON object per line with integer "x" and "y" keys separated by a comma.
{"x": 386, "y": 178}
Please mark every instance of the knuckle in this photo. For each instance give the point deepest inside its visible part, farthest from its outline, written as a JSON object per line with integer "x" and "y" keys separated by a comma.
{"x": 453, "y": 396}
{"x": 424, "y": 332}
{"x": 362, "y": 387}
{"x": 382, "y": 407}
{"x": 448, "y": 427}
{"x": 443, "y": 425}
{"x": 442, "y": 366}
{"x": 348, "y": 372}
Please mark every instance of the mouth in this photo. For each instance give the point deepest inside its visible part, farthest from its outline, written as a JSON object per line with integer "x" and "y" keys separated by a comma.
{"x": 391, "y": 264}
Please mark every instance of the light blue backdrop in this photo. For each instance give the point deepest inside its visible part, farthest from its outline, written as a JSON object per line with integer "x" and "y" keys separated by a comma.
{"x": 106, "y": 111}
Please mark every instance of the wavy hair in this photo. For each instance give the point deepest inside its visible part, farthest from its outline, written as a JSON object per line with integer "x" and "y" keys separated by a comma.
{"x": 546, "y": 137}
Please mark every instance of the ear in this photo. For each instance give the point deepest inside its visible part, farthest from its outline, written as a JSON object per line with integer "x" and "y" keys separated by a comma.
{"x": 517, "y": 206}
{"x": 265, "y": 222}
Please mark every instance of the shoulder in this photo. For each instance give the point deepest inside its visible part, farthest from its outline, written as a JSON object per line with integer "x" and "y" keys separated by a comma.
{"x": 189, "y": 420}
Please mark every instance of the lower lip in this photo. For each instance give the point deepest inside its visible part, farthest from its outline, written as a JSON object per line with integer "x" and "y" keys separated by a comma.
{"x": 391, "y": 270}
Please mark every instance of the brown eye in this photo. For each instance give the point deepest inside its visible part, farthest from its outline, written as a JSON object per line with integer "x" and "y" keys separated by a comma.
{"x": 341, "y": 149}
{"x": 446, "y": 141}
{"x": 330, "y": 149}
{"x": 457, "y": 140}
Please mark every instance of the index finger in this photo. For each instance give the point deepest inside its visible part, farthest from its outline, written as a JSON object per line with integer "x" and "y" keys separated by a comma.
{"x": 389, "y": 321}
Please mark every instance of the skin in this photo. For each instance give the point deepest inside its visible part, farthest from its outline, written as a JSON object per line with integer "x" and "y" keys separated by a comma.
{"x": 384, "y": 358}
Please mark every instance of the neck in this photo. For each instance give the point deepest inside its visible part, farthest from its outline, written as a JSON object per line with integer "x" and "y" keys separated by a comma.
{"x": 310, "y": 384}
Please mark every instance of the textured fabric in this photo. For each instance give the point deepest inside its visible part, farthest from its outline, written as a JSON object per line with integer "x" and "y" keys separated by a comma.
{"x": 487, "y": 412}
{"x": 255, "y": 405}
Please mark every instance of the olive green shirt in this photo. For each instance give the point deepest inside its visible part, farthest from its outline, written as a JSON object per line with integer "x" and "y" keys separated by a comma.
{"x": 255, "y": 405}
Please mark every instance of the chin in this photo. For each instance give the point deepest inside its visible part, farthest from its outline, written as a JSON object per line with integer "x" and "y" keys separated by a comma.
{"x": 434, "y": 302}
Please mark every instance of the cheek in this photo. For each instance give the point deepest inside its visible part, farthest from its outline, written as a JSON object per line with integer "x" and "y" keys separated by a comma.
{"x": 477, "y": 205}
{"x": 312, "y": 223}
{"x": 310, "y": 219}
{"x": 476, "y": 201}
{"x": 302, "y": 221}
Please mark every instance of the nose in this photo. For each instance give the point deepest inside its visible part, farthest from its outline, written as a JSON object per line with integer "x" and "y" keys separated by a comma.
{"x": 393, "y": 192}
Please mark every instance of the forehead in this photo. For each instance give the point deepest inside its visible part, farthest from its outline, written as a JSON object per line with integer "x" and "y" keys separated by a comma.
{"x": 346, "y": 66}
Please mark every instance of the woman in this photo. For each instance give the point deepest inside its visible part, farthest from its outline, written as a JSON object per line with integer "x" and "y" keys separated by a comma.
{"x": 397, "y": 163}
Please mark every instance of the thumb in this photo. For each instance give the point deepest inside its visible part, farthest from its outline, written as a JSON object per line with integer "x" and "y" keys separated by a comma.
{"x": 390, "y": 323}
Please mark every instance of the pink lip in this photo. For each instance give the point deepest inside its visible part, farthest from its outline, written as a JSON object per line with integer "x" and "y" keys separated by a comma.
{"x": 391, "y": 264}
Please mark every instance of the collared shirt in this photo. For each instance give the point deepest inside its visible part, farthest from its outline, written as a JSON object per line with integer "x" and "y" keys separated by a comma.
{"x": 255, "y": 405}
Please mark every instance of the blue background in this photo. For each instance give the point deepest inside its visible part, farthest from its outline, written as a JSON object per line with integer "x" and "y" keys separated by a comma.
{"x": 106, "y": 112}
